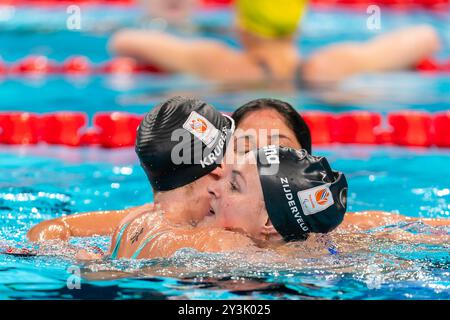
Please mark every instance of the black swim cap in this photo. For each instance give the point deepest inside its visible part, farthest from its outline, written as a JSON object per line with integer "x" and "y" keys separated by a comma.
{"x": 302, "y": 193}
{"x": 180, "y": 141}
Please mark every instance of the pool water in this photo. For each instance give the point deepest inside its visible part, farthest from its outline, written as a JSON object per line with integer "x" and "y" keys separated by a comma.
{"x": 39, "y": 183}
{"x": 42, "y": 182}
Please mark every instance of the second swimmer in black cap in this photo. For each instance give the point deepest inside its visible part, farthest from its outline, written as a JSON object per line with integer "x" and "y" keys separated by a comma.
{"x": 180, "y": 144}
{"x": 293, "y": 194}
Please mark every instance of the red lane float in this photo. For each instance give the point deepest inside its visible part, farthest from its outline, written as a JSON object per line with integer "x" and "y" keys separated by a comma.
{"x": 90, "y": 137}
{"x": 384, "y": 137}
{"x": 441, "y": 134}
{"x": 34, "y": 65}
{"x": 433, "y": 66}
{"x": 437, "y": 5}
{"x": 117, "y": 129}
{"x": 428, "y": 65}
{"x": 19, "y": 128}
{"x": 203, "y": 3}
{"x": 216, "y": 3}
{"x": 75, "y": 65}
{"x": 127, "y": 65}
{"x": 411, "y": 128}
{"x": 357, "y": 127}
{"x": 63, "y": 128}
{"x": 401, "y": 5}
{"x": 28, "y": 3}
{"x": 41, "y": 65}
{"x": 319, "y": 124}
{"x": 120, "y": 65}
{"x": 3, "y": 68}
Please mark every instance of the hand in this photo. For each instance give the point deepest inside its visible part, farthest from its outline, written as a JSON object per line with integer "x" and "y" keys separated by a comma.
{"x": 49, "y": 230}
{"x": 85, "y": 255}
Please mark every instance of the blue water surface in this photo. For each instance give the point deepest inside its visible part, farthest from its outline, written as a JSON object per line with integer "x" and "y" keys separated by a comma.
{"x": 42, "y": 182}
{"x": 39, "y": 183}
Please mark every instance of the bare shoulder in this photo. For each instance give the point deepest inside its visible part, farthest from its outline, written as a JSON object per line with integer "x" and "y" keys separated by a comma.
{"x": 370, "y": 213}
{"x": 364, "y": 220}
{"x": 218, "y": 240}
{"x": 206, "y": 240}
{"x": 135, "y": 212}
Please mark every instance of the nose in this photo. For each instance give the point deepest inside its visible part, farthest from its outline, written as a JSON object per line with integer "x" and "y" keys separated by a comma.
{"x": 214, "y": 189}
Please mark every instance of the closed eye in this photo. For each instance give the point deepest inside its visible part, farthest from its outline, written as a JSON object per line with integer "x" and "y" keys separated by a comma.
{"x": 233, "y": 186}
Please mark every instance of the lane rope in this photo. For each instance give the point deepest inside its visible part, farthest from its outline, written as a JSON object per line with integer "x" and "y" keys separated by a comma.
{"x": 434, "y": 5}
{"x": 118, "y": 129}
{"x": 81, "y": 65}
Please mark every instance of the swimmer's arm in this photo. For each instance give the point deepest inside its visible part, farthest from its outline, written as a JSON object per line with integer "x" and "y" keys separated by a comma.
{"x": 205, "y": 58}
{"x": 401, "y": 49}
{"x": 215, "y": 240}
{"x": 366, "y": 220}
{"x": 78, "y": 225}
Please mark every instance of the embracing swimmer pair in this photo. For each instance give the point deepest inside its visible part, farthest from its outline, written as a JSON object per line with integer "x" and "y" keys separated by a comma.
{"x": 262, "y": 197}
{"x": 269, "y": 195}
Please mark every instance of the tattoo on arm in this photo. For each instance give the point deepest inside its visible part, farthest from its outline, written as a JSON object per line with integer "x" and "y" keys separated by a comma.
{"x": 136, "y": 235}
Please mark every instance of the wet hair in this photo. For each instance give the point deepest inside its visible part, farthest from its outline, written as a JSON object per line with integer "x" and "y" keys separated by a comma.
{"x": 292, "y": 118}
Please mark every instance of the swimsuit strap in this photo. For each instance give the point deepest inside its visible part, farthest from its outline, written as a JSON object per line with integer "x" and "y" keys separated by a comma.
{"x": 142, "y": 246}
{"x": 299, "y": 77}
{"x": 118, "y": 240}
{"x": 120, "y": 235}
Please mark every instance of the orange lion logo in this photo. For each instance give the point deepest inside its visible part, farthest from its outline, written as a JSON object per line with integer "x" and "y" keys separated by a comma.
{"x": 199, "y": 125}
{"x": 322, "y": 196}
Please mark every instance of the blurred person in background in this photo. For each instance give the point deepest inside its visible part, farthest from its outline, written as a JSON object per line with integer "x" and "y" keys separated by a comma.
{"x": 267, "y": 31}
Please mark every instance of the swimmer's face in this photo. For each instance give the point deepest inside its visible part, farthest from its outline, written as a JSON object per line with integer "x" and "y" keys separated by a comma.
{"x": 263, "y": 127}
{"x": 237, "y": 201}
{"x": 197, "y": 196}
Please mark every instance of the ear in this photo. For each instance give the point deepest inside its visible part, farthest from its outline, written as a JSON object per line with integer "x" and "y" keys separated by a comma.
{"x": 269, "y": 230}
{"x": 218, "y": 172}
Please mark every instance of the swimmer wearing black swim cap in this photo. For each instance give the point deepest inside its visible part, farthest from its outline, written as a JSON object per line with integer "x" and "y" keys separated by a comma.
{"x": 302, "y": 193}
{"x": 180, "y": 141}
{"x": 278, "y": 193}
